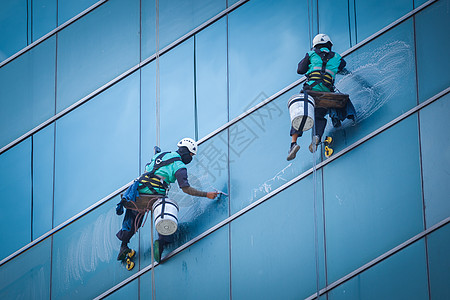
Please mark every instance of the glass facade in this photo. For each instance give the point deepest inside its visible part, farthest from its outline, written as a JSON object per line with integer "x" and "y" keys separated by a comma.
{"x": 371, "y": 222}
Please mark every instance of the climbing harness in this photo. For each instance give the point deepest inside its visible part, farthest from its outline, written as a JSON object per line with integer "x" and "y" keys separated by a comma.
{"x": 322, "y": 74}
{"x": 151, "y": 180}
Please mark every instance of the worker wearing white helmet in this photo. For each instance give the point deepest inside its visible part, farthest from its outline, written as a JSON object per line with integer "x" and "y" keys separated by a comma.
{"x": 320, "y": 66}
{"x": 165, "y": 168}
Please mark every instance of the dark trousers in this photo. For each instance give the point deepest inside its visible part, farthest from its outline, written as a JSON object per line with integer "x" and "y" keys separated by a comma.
{"x": 129, "y": 229}
{"x": 128, "y": 226}
{"x": 319, "y": 123}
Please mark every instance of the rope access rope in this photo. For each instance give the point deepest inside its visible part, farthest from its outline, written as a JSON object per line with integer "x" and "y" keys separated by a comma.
{"x": 316, "y": 230}
{"x": 157, "y": 110}
{"x": 157, "y": 129}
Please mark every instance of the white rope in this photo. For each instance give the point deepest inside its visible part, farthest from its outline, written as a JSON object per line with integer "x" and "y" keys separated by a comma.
{"x": 157, "y": 131}
{"x": 316, "y": 230}
{"x": 157, "y": 75}
{"x": 153, "y": 261}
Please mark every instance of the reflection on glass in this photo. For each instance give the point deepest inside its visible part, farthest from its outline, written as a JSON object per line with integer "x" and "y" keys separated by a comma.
{"x": 334, "y": 21}
{"x": 129, "y": 292}
{"x": 439, "y": 260}
{"x": 177, "y": 95}
{"x": 27, "y": 276}
{"x": 15, "y": 190}
{"x": 211, "y": 77}
{"x": 178, "y": 17}
{"x": 273, "y": 246}
{"x": 431, "y": 28}
{"x": 435, "y": 159}
{"x": 373, "y": 15}
{"x": 148, "y": 114}
{"x": 267, "y": 39}
{"x": 44, "y": 17}
{"x": 96, "y": 49}
{"x": 369, "y": 210}
{"x": 97, "y": 148}
{"x": 199, "y": 272}
{"x": 401, "y": 276}
{"x": 68, "y": 9}
{"x": 85, "y": 255}
{"x": 27, "y": 95}
{"x": 43, "y": 162}
{"x": 13, "y": 27}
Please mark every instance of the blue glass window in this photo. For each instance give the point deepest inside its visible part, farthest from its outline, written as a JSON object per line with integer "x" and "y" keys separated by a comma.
{"x": 44, "y": 17}
{"x": 267, "y": 39}
{"x": 373, "y": 15}
{"x": 85, "y": 255}
{"x": 15, "y": 188}
{"x": 97, "y": 148}
{"x": 199, "y": 272}
{"x": 27, "y": 276}
{"x": 439, "y": 262}
{"x": 68, "y": 9}
{"x": 334, "y": 20}
{"x": 13, "y": 27}
{"x": 148, "y": 114}
{"x": 211, "y": 77}
{"x": 96, "y": 49}
{"x": 177, "y": 95}
{"x": 43, "y": 162}
{"x": 432, "y": 32}
{"x": 176, "y": 18}
{"x": 418, "y": 3}
{"x": 27, "y": 91}
{"x": 130, "y": 291}
{"x": 373, "y": 199}
{"x": 435, "y": 159}
{"x": 402, "y": 276}
{"x": 273, "y": 246}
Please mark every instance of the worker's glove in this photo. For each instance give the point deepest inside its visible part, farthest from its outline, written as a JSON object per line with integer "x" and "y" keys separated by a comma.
{"x": 119, "y": 208}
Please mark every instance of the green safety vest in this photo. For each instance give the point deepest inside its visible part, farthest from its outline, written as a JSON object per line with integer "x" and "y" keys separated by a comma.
{"x": 321, "y": 73}
{"x": 167, "y": 164}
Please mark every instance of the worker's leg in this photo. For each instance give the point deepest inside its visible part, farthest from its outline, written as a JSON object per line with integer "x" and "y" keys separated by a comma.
{"x": 319, "y": 127}
{"x": 127, "y": 231}
{"x": 320, "y": 121}
{"x": 293, "y": 149}
{"x": 159, "y": 244}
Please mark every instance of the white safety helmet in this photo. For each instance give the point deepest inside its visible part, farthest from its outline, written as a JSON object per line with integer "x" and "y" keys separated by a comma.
{"x": 190, "y": 144}
{"x": 321, "y": 38}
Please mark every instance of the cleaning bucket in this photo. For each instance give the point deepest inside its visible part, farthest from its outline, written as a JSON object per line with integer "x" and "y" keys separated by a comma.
{"x": 301, "y": 110}
{"x": 165, "y": 216}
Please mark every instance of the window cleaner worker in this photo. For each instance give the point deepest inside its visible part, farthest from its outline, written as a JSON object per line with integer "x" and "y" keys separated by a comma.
{"x": 171, "y": 168}
{"x": 320, "y": 66}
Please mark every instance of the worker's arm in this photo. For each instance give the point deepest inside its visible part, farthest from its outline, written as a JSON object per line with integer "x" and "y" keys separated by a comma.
{"x": 303, "y": 65}
{"x": 183, "y": 183}
{"x": 341, "y": 67}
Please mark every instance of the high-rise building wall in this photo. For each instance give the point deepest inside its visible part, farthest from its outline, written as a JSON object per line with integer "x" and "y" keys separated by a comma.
{"x": 85, "y": 97}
